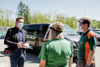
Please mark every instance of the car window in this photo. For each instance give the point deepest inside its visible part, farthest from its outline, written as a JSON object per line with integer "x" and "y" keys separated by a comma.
{"x": 25, "y": 27}
{"x": 32, "y": 28}
{"x": 44, "y": 29}
{"x": 67, "y": 30}
{"x": 35, "y": 27}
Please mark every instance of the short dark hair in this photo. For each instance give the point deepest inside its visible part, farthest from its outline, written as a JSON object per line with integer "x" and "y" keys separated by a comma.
{"x": 19, "y": 18}
{"x": 86, "y": 21}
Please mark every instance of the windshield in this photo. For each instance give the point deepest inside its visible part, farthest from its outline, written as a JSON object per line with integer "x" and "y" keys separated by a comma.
{"x": 68, "y": 30}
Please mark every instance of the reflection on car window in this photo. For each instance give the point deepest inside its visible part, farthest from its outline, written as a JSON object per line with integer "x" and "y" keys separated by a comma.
{"x": 44, "y": 29}
{"x": 31, "y": 28}
{"x": 68, "y": 30}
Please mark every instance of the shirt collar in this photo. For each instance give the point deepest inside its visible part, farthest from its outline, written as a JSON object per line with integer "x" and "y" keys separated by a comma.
{"x": 18, "y": 29}
{"x": 86, "y": 32}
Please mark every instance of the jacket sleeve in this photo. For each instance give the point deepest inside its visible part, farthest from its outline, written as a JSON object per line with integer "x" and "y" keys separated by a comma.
{"x": 8, "y": 41}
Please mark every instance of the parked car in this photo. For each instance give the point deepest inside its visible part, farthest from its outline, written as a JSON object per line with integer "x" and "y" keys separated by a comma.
{"x": 36, "y": 33}
{"x": 97, "y": 32}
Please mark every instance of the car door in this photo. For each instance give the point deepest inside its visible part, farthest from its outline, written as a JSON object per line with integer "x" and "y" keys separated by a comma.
{"x": 43, "y": 32}
{"x": 33, "y": 35}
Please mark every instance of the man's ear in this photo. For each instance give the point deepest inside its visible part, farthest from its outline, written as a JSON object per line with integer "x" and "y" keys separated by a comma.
{"x": 86, "y": 25}
{"x": 16, "y": 22}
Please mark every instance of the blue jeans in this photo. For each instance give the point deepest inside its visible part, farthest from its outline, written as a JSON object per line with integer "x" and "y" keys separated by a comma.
{"x": 17, "y": 59}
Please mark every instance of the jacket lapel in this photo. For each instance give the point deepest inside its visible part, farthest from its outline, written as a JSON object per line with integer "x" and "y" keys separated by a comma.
{"x": 16, "y": 34}
{"x": 23, "y": 34}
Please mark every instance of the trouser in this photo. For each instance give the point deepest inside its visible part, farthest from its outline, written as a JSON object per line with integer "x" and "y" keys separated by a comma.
{"x": 17, "y": 59}
{"x": 82, "y": 64}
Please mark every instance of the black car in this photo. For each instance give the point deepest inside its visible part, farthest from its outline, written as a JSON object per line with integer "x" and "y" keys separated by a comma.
{"x": 36, "y": 33}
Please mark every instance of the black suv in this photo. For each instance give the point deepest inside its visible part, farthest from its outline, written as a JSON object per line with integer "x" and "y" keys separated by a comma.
{"x": 36, "y": 33}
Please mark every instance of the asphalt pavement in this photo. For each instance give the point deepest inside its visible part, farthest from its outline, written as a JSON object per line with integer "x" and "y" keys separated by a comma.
{"x": 32, "y": 59}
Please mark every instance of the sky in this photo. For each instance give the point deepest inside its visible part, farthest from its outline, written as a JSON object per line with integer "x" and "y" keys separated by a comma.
{"x": 69, "y": 8}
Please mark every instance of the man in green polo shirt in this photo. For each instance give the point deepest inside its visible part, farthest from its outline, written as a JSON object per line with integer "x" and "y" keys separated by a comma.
{"x": 87, "y": 45}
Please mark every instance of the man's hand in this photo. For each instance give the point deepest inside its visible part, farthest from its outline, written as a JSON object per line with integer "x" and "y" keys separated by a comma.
{"x": 20, "y": 45}
{"x": 90, "y": 57}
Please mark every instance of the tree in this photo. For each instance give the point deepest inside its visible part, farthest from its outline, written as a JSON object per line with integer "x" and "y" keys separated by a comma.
{"x": 27, "y": 15}
{"x": 1, "y": 17}
{"x": 40, "y": 18}
{"x": 71, "y": 21}
{"x": 21, "y": 9}
{"x": 7, "y": 16}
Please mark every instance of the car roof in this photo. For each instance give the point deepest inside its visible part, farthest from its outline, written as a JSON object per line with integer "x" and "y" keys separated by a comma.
{"x": 96, "y": 29}
{"x": 38, "y": 24}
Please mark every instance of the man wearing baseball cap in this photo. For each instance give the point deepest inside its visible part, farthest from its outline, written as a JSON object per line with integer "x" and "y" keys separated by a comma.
{"x": 87, "y": 45}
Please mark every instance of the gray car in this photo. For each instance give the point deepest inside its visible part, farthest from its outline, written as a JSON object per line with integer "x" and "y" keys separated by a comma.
{"x": 97, "y": 32}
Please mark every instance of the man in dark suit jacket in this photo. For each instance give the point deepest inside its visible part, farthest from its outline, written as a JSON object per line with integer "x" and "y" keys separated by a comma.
{"x": 15, "y": 38}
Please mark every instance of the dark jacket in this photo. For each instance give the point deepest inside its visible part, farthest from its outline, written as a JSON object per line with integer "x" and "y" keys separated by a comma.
{"x": 11, "y": 38}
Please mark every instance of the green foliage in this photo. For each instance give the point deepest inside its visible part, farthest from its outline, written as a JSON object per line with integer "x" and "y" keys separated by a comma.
{"x": 1, "y": 11}
{"x": 98, "y": 25}
{"x": 5, "y": 18}
{"x": 95, "y": 23}
{"x": 71, "y": 21}
{"x": 21, "y": 9}
{"x": 27, "y": 15}
{"x": 40, "y": 18}
{"x": 24, "y": 11}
